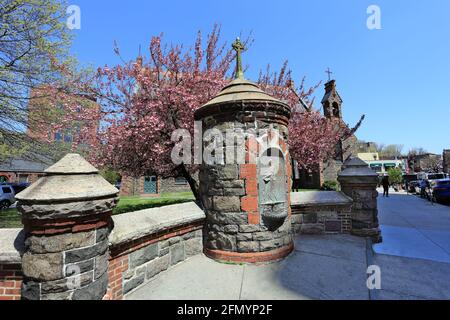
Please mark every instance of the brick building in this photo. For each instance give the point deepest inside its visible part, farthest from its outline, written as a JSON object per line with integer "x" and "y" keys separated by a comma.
{"x": 27, "y": 169}
{"x": 41, "y": 111}
{"x": 152, "y": 185}
{"x": 328, "y": 171}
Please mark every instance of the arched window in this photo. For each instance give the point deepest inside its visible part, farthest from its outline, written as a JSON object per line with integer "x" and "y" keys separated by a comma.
{"x": 336, "y": 111}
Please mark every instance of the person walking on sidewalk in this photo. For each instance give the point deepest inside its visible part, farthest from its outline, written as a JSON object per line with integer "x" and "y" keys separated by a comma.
{"x": 386, "y": 185}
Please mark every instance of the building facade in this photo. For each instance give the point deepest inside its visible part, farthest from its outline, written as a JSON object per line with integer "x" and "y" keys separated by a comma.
{"x": 446, "y": 161}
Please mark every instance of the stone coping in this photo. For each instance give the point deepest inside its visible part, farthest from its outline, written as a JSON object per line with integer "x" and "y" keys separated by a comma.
{"x": 12, "y": 244}
{"x": 319, "y": 198}
{"x": 135, "y": 225}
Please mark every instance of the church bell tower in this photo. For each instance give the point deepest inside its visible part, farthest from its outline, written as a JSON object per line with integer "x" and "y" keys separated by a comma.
{"x": 332, "y": 101}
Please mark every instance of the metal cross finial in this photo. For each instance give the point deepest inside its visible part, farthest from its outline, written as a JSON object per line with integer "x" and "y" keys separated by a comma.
{"x": 239, "y": 47}
{"x": 329, "y": 74}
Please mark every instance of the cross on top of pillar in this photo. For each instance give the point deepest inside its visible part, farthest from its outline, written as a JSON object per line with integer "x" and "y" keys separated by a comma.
{"x": 239, "y": 48}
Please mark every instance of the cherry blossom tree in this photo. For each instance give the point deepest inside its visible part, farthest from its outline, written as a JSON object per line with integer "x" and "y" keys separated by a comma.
{"x": 312, "y": 137}
{"x": 144, "y": 101}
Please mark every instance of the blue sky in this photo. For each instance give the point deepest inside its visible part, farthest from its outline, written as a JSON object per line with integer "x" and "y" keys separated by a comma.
{"x": 398, "y": 76}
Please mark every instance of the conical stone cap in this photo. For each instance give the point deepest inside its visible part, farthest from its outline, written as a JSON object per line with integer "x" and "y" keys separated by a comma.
{"x": 241, "y": 91}
{"x": 357, "y": 167}
{"x": 70, "y": 179}
{"x": 72, "y": 163}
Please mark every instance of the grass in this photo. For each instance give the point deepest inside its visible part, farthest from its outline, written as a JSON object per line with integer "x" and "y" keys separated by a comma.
{"x": 11, "y": 219}
{"x": 130, "y": 204}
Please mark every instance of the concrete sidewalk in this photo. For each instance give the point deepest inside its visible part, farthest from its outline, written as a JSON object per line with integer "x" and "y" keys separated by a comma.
{"x": 415, "y": 254}
{"x": 322, "y": 267}
{"x": 414, "y": 259}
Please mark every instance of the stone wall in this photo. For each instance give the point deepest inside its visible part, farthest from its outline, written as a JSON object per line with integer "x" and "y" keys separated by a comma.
{"x": 143, "y": 244}
{"x": 321, "y": 212}
{"x": 139, "y": 251}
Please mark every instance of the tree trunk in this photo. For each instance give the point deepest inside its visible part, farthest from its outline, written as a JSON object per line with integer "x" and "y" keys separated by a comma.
{"x": 193, "y": 184}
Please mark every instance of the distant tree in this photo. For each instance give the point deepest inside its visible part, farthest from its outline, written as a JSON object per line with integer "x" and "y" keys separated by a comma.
{"x": 33, "y": 35}
{"x": 432, "y": 164}
{"x": 391, "y": 151}
{"x": 110, "y": 175}
{"x": 395, "y": 176}
{"x": 417, "y": 152}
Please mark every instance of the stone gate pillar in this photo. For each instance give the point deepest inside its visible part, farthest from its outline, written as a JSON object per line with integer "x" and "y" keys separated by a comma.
{"x": 246, "y": 197}
{"x": 67, "y": 221}
{"x": 360, "y": 183}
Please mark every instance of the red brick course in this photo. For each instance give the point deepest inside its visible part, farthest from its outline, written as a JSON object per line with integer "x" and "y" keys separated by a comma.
{"x": 10, "y": 281}
{"x": 259, "y": 257}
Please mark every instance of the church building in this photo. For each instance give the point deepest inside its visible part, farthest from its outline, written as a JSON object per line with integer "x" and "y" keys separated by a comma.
{"x": 329, "y": 170}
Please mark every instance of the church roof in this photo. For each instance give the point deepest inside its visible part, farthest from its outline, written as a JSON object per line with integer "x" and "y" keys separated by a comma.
{"x": 330, "y": 90}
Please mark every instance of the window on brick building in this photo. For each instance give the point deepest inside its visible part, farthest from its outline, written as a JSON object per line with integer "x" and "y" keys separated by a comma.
{"x": 181, "y": 181}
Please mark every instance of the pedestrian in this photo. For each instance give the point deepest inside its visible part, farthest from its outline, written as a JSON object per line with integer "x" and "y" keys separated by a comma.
{"x": 386, "y": 185}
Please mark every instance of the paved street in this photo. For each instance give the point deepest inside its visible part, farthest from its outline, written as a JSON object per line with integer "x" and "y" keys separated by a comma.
{"x": 415, "y": 254}
{"x": 414, "y": 260}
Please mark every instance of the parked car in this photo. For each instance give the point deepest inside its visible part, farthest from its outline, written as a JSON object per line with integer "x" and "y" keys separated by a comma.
{"x": 412, "y": 185}
{"x": 431, "y": 176}
{"x": 441, "y": 190}
{"x": 6, "y": 196}
{"x": 19, "y": 187}
{"x": 421, "y": 188}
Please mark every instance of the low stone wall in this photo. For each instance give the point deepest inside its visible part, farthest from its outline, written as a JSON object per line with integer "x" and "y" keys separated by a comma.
{"x": 146, "y": 243}
{"x": 319, "y": 212}
{"x": 142, "y": 245}
{"x": 11, "y": 247}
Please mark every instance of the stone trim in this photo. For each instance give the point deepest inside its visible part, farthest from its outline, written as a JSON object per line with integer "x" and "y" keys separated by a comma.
{"x": 136, "y": 225}
{"x": 252, "y": 258}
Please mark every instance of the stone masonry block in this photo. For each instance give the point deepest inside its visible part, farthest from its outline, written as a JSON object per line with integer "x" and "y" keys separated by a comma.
{"x": 227, "y": 204}
{"x": 59, "y": 243}
{"x": 248, "y": 246}
{"x": 143, "y": 255}
{"x": 45, "y": 267}
{"x": 193, "y": 247}
{"x": 177, "y": 253}
{"x": 78, "y": 255}
{"x": 157, "y": 266}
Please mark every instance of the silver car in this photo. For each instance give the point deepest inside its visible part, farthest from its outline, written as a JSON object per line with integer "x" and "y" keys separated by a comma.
{"x": 6, "y": 196}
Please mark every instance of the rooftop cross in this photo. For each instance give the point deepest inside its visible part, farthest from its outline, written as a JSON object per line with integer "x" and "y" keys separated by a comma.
{"x": 329, "y": 74}
{"x": 239, "y": 47}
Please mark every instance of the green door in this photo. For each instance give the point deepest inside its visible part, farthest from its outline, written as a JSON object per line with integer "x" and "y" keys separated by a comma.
{"x": 151, "y": 185}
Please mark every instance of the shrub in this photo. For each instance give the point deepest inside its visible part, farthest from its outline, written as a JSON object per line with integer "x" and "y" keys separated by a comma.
{"x": 330, "y": 186}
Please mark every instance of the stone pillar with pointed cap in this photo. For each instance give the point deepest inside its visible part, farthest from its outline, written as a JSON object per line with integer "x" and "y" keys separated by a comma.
{"x": 246, "y": 199}
{"x": 360, "y": 183}
{"x": 67, "y": 221}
